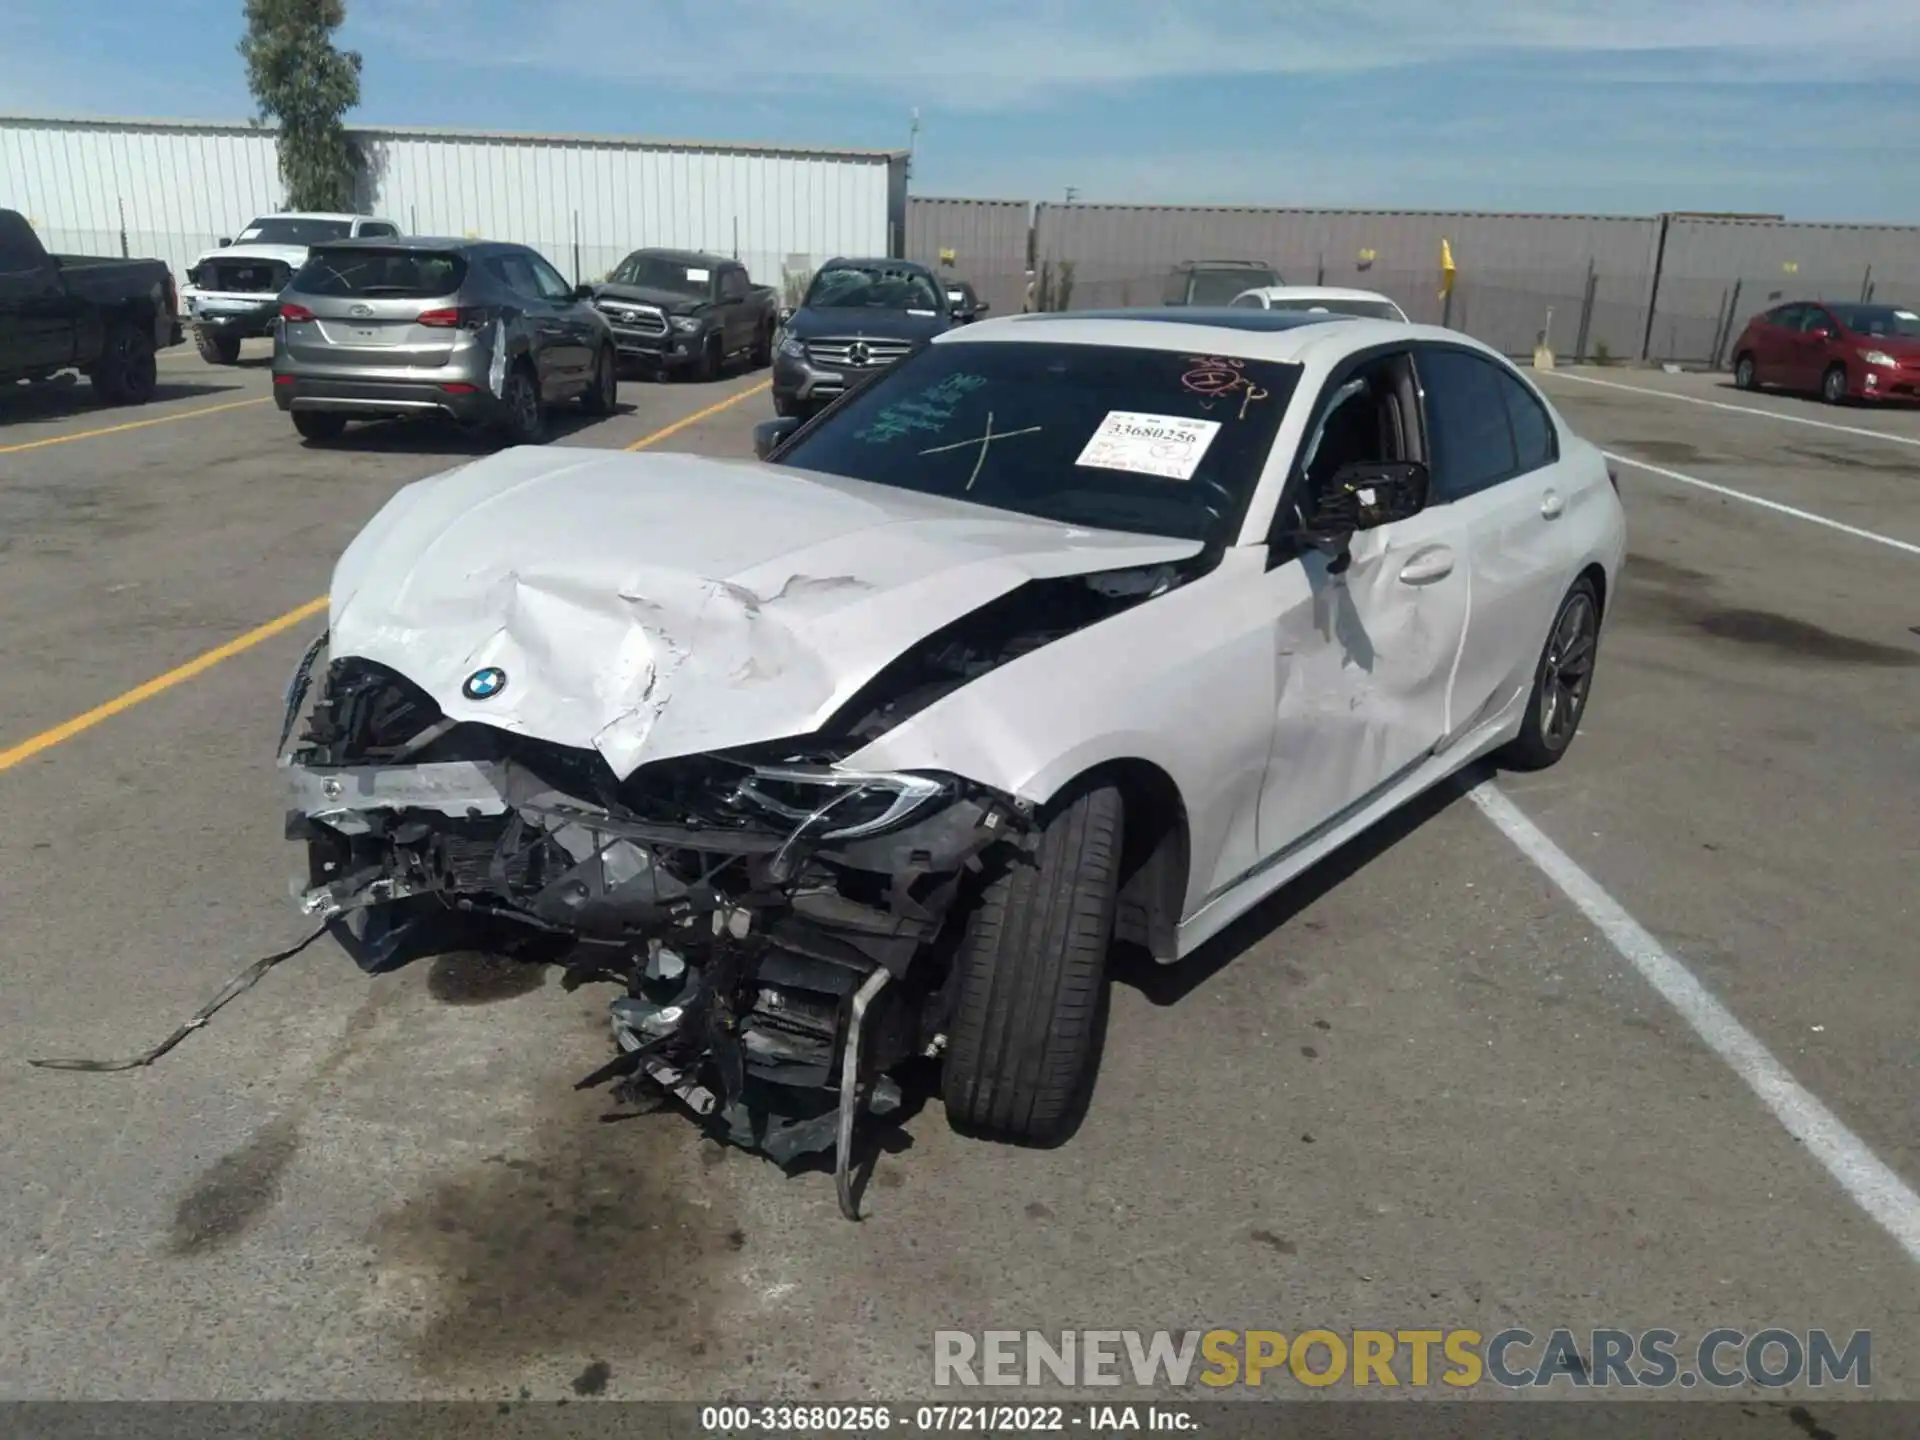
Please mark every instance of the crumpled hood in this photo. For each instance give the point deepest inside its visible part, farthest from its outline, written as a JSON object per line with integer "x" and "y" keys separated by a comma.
{"x": 656, "y": 605}
{"x": 293, "y": 255}
{"x": 865, "y": 324}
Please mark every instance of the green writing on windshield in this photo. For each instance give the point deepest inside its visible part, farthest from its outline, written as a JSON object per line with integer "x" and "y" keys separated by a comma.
{"x": 929, "y": 410}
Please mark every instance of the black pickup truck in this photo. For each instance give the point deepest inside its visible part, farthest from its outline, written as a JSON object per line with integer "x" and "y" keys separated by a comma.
{"x": 678, "y": 310}
{"x": 103, "y": 317}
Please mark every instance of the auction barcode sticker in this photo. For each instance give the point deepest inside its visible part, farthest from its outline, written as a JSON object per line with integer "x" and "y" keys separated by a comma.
{"x": 1169, "y": 446}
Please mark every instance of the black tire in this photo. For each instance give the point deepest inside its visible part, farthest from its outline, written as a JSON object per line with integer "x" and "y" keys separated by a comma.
{"x": 126, "y": 373}
{"x": 1743, "y": 373}
{"x": 786, "y": 408}
{"x": 524, "y": 417}
{"x": 1030, "y": 1005}
{"x": 216, "y": 349}
{"x": 707, "y": 367}
{"x": 603, "y": 391}
{"x": 1562, "y": 683}
{"x": 1833, "y": 385}
{"x": 319, "y": 425}
{"x": 763, "y": 348}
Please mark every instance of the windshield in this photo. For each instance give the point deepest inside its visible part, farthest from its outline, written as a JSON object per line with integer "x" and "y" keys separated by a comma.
{"x": 393, "y": 274}
{"x": 1365, "y": 309}
{"x": 1157, "y": 442}
{"x": 874, "y": 287}
{"x": 285, "y": 230}
{"x": 1879, "y": 320}
{"x": 662, "y": 272}
{"x": 1218, "y": 287}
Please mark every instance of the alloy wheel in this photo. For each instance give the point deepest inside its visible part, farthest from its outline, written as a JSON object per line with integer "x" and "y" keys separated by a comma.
{"x": 1568, "y": 674}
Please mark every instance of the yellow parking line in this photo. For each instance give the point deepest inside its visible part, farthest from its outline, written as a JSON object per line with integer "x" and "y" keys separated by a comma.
{"x": 200, "y": 664}
{"x": 132, "y": 425}
{"x": 67, "y": 729}
{"x": 699, "y": 415}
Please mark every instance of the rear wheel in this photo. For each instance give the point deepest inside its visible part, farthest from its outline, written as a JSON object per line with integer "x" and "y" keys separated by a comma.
{"x": 1743, "y": 374}
{"x": 763, "y": 348}
{"x": 319, "y": 425}
{"x": 604, "y": 392}
{"x": 1030, "y": 1008}
{"x": 126, "y": 373}
{"x": 1833, "y": 385}
{"x": 525, "y": 420}
{"x": 1561, "y": 682}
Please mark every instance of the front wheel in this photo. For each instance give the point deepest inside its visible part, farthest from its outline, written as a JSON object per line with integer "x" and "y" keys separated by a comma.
{"x": 127, "y": 372}
{"x": 707, "y": 367}
{"x": 1833, "y": 385}
{"x": 1743, "y": 373}
{"x": 1561, "y": 682}
{"x": 1030, "y": 1008}
{"x": 763, "y": 348}
{"x": 216, "y": 349}
{"x": 525, "y": 418}
{"x": 604, "y": 391}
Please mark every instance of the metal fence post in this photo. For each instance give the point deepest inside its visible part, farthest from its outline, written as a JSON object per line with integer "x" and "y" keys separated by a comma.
{"x": 1586, "y": 313}
{"x": 1726, "y": 335}
{"x": 1866, "y": 286}
{"x": 1653, "y": 290}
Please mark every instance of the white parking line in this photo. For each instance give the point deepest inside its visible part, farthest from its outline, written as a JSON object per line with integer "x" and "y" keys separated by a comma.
{"x": 1774, "y": 505}
{"x": 1737, "y": 409}
{"x": 1867, "y": 1179}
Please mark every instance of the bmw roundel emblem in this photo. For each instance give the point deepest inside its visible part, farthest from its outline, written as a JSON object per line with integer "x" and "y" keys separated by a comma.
{"x": 485, "y": 684}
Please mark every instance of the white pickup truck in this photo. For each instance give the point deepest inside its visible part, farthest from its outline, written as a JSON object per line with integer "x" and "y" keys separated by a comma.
{"x": 233, "y": 292}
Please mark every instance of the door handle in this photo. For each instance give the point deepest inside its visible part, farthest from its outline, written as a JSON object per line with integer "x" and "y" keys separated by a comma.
{"x": 1552, "y": 505}
{"x": 1428, "y": 566}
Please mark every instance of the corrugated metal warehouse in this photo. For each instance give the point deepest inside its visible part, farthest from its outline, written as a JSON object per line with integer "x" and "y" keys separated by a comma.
{"x": 981, "y": 241}
{"x": 173, "y": 188}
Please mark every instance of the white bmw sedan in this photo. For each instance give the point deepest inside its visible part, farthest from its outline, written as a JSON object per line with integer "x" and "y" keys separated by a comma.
{"x": 1063, "y": 630}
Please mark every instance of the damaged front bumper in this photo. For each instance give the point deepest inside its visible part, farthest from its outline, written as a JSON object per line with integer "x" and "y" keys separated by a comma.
{"x": 776, "y": 923}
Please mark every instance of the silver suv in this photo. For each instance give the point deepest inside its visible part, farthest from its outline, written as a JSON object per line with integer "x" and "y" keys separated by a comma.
{"x": 489, "y": 334}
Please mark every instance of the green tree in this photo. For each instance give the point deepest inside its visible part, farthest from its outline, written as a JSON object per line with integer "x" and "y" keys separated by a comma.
{"x": 304, "y": 85}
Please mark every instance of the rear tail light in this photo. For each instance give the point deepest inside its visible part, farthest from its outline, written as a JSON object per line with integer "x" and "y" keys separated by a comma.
{"x": 465, "y": 317}
{"x": 461, "y": 388}
{"x": 283, "y": 379}
{"x": 295, "y": 314}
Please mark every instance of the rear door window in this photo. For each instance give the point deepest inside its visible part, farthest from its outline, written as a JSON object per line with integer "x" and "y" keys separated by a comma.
{"x": 1534, "y": 442}
{"x": 1467, "y": 424}
{"x": 381, "y": 274}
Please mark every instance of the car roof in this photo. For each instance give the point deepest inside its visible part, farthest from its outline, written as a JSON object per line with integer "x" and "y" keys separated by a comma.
{"x": 680, "y": 257}
{"x": 312, "y": 215}
{"x": 1284, "y": 336}
{"x": 1317, "y": 292}
{"x": 415, "y": 242}
{"x": 853, "y": 261}
{"x": 1223, "y": 265}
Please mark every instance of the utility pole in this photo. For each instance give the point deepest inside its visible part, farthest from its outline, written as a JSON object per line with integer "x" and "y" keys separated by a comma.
{"x": 913, "y": 135}
{"x": 1073, "y": 194}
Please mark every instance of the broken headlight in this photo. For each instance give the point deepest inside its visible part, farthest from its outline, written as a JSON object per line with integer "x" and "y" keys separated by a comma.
{"x": 844, "y": 804}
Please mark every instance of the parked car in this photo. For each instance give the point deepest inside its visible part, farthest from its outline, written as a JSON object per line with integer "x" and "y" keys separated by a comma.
{"x": 1216, "y": 282}
{"x": 483, "y": 332}
{"x": 1320, "y": 300}
{"x": 1050, "y": 634}
{"x": 966, "y": 304}
{"x": 678, "y": 310}
{"x": 1844, "y": 352}
{"x": 102, "y": 317}
{"x": 856, "y": 318}
{"x": 232, "y": 293}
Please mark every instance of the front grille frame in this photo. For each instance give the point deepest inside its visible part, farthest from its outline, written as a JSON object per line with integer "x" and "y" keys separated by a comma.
{"x": 243, "y": 277}
{"x": 833, "y": 352}
{"x": 632, "y": 316}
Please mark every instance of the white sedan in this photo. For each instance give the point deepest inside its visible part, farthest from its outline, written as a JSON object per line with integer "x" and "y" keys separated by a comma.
{"x": 1066, "y": 629}
{"x": 1320, "y": 300}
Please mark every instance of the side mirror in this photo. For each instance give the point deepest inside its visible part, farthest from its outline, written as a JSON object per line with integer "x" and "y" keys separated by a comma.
{"x": 225, "y": 241}
{"x": 981, "y": 308}
{"x": 583, "y": 291}
{"x": 770, "y": 435}
{"x": 786, "y": 313}
{"x": 1362, "y": 496}
{"x": 1821, "y": 332}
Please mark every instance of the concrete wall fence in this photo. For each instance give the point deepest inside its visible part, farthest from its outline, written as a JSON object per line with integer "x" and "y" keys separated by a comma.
{"x": 1659, "y": 287}
{"x": 172, "y": 189}
{"x": 1662, "y": 287}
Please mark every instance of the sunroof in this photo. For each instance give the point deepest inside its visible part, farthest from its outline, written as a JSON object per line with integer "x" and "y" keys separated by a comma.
{"x": 1226, "y": 317}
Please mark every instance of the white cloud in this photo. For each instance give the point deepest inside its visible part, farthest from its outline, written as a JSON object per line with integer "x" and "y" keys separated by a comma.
{"x": 994, "y": 54}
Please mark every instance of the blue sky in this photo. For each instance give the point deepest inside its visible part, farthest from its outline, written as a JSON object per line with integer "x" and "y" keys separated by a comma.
{"x": 1806, "y": 107}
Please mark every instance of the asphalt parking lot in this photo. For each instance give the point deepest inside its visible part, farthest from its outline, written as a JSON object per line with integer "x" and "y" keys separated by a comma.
{"x": 1422, "y": 1089}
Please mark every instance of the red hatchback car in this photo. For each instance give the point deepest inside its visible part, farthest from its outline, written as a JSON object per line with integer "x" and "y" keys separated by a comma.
{"x": 1845, "y": 352}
